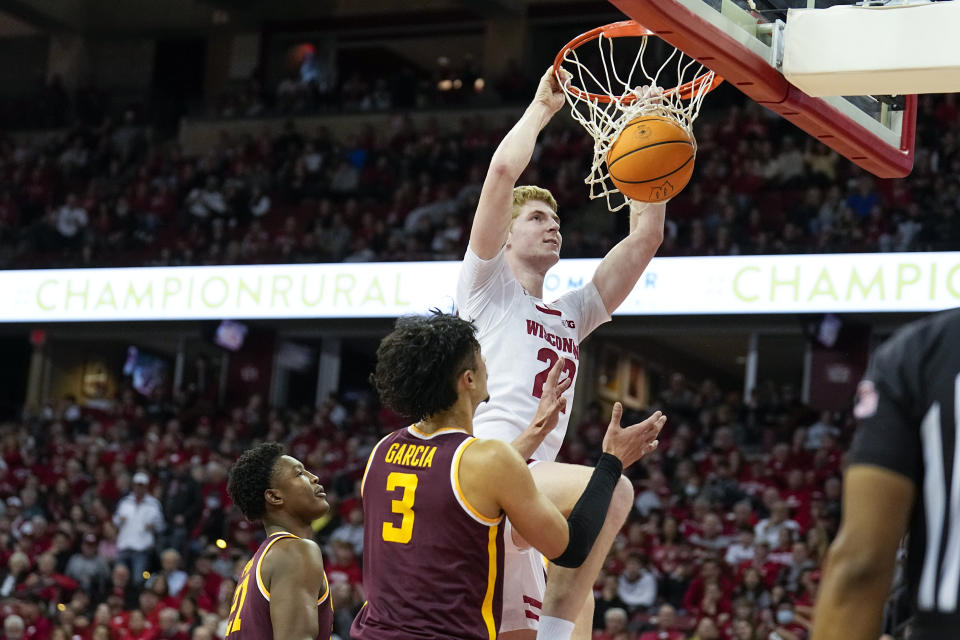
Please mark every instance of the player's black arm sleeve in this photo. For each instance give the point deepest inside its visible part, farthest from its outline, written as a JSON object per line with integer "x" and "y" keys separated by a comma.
{"x": 588, "y": 514}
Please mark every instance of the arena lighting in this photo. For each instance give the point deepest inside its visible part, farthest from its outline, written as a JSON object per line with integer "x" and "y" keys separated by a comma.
{"x": 221, "y": 543}
{"x": 711, "y": 285}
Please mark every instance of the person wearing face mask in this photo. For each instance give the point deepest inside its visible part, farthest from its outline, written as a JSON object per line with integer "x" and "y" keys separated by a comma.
{"x": 790, "y": 625}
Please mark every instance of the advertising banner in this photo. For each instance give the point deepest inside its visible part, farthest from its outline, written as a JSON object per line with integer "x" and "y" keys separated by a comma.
{"x": 894, "y": 282}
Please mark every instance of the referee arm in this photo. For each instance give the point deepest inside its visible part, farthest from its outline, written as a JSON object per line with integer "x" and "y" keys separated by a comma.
{"x": 860, "y": 564}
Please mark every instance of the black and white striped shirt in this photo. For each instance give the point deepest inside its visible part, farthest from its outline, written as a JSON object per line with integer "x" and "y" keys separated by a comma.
{"x": 907, "y": 407}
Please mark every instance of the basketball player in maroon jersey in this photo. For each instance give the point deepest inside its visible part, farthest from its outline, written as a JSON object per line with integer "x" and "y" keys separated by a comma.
{"x": 283, "y": 592}
{"x": 435, "y": 497}
{"x": 514, "y": 241}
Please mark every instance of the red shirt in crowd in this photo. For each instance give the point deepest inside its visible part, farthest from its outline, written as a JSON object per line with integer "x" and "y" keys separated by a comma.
{"x": 769, "y": 571}
{"x": 39, "y": 629}
{"x": 668, "y": 557}
{"x": 144, "y": 634}
{"x": 338, "y": 574}
{"x": 694, "y": 594}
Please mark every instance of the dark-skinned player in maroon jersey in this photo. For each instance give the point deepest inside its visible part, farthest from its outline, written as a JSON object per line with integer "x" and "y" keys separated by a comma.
{"x": 283, "y": 592}
{"x": 435, "y": 497}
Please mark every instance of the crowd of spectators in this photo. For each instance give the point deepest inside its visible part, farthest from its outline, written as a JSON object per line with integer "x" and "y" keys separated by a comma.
{"x": 115, "y": 523}
{"x": 732, "y": 519}
{"x": 115, "y": 195}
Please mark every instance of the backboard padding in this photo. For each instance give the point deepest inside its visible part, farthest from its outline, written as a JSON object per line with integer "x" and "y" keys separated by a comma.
{"x": 727, "y": 48}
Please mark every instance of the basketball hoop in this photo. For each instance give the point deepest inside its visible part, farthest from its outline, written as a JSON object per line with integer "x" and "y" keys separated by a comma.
{"x": 605, "y": 102}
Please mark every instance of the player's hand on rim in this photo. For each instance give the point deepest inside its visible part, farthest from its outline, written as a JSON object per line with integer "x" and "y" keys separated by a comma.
{"x": 629, "y": 444}
{"x": 549, "y": 92}
{"x": 552, "y": 401}
{"x": 651, "y": 96}
{"x": 650, "y": 93}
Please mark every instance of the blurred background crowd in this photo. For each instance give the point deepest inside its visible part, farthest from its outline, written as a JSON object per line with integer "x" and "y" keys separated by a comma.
{"x": 116, "y": 192}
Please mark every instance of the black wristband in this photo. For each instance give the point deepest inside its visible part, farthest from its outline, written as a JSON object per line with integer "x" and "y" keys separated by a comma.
{"x": 588, "y": 514}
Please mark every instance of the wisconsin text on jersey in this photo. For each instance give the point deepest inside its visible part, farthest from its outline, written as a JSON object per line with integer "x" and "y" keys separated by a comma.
{"x": 567, "y": 345}
{"x": 410, "y": 455}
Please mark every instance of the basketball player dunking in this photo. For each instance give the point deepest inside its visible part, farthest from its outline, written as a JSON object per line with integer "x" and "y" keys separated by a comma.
{"x": 514, "y": 241}
{"x": 434, "y": 496}
{"x": 282, "y": 592}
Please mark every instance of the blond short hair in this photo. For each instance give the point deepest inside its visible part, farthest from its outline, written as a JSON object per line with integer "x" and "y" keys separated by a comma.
{"x": 526, "y": 193}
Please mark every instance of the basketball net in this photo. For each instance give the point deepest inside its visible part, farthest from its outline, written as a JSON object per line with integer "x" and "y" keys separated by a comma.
{"x": 604, "y": 103}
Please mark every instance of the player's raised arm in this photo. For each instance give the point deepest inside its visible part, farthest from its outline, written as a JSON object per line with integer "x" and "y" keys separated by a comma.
{"x": 490, "y": 224}
{"x": 622, "y": 267}
{"x": 499, "y": 480}
{"x": 296, "y": 583}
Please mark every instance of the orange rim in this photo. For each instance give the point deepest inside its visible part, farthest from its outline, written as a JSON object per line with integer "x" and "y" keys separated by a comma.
{"x": 622, "y": 29}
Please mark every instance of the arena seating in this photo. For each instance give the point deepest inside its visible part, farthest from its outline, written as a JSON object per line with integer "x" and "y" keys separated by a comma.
{"x": 115, "y": 195}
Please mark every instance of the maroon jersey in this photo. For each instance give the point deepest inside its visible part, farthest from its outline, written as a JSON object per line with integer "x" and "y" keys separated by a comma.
{"x": 249, "y": 617}
{"x": 432, "y": 564}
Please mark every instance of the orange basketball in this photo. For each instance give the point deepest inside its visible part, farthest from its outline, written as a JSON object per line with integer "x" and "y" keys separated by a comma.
{"x": 652, "y": 160}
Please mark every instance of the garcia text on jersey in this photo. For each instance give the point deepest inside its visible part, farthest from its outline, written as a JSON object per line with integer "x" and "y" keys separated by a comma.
{"x": 409, "y": 455}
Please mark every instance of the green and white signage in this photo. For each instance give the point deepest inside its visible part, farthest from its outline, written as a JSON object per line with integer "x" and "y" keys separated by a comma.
{"x": 701, "y": 285}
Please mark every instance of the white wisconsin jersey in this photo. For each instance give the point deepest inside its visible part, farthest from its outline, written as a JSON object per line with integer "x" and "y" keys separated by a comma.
{"x": 521, "y": 338}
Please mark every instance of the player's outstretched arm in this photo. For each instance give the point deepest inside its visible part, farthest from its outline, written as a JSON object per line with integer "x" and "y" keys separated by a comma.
{"x": 496, "y": 480}
{"x": 490, "y": 224}
{"x": 507, "y": 487}
{"x": 548, "y": 412}
{"x": 859, "y": 567}
{"x": 622, "y": 267}
{"x": 296, "y": 583}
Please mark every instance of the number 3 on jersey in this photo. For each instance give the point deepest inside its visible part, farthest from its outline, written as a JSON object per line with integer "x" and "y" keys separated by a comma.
{"x": 403, "y": 506}
{"x": 550, "y": 357}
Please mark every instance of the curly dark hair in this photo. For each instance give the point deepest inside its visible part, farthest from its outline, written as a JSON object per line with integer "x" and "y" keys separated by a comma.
{"x": 250, "y": 477}
{"x": 419, "y": 360}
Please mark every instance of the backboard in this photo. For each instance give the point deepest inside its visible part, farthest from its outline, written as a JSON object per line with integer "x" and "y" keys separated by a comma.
{"x": 745, "y": 45}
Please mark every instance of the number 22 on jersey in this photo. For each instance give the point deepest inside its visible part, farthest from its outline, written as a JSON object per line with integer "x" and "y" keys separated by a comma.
{"x": 403, "y": 506}
{"x": 550, "y": 357}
